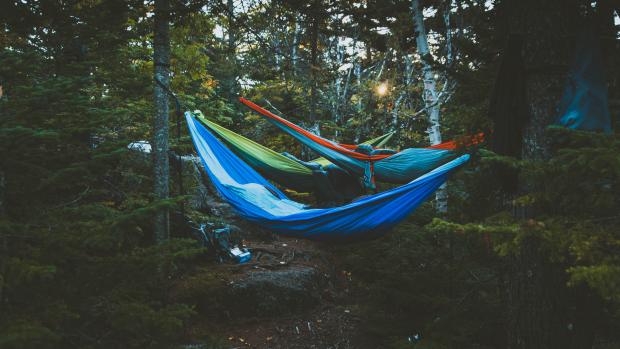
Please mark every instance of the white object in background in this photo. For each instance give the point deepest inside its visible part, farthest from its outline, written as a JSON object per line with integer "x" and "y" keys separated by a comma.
{"x": 141, "y": 146}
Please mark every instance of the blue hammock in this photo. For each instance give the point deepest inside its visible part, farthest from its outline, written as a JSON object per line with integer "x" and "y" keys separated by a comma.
{"x": 259, "y": 201}
{"x": 584, "y": 103}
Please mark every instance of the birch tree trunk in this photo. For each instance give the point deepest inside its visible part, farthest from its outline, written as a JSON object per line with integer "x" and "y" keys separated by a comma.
{"x": 314, "y": 52}
{"x": 431, "y": 101}
{"x": 446, "y": 21}
{"x": 296, "y": 35}
{"x": 430, "y": 86}
{"x": 359, "y": 107}
{"x": 338, "y": 89}
{"x": 161, "y": 169}
{"x": 343, "y": 99}
{"x": 403, "y": 92}
{"x": 313, "y": 125}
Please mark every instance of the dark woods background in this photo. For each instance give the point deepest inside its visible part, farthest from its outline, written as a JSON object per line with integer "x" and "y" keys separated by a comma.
{"x": 528, "y": 255}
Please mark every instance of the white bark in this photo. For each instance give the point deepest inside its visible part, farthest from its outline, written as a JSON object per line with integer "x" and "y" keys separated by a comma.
{"x": 431, "y": 100}
{"x": 403, "y": 91}
{"x": 346, "y": 84}
{"x": 343, "y": 97}
{"x": 275, "y": 43}
{"x": 358, "y": 76}
{"x": 446, "y": 21}
{"x": 430, "y": 85}
{"x": 338, "y": 90}
{"x": 296, "y": 35}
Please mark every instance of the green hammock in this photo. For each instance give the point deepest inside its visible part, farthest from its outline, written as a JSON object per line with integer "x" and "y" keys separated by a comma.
{"x": 288, "y": 172}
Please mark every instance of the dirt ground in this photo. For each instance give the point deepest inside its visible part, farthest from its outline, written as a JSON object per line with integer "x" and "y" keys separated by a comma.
{"x": 332, "y": 323}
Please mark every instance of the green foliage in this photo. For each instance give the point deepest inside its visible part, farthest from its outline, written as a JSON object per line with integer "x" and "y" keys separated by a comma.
{"x": 444, "y": 278}
{"x": 583, "y": 176}
{"x": 26, "y": 334}
{"x": 425, "y": 281}
{"x": 603, "y": 278}
{"x": 139, "y": 325}
{"x": 78, "y": 267}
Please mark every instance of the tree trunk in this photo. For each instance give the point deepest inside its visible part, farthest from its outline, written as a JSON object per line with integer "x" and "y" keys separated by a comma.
{"x": 338, "y": 88}
{"x": 529, "y": 309}
{"x": 537, "y": 294}
{"x": 430, "y": 86}
{"x": 4, "y": 249}
{"x": 314, "y": 52}
{"x": 403, "y": 92}
{"x": 231, "y": 79}
{"x": 446, "y": 21}
{"x": 343, "y": 99}
{"x": 2, "y": 191}
{"x": 161, "y": 169}
{"x": 296, "y": 35}
{"x": 312, "y": 123}
{"x": 548, "y": 42}
{"x": 231, "y": 33}
{"x": 359, "y": 107}
{"x": 431, "y": 101}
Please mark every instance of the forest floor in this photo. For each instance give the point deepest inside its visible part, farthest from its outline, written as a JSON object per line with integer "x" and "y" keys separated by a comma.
{"x": 293, "y": 294}
{"x": 331, "y": 323}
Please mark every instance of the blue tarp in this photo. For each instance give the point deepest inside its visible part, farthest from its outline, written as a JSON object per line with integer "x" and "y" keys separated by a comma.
{"x": 584, "y": 104}
{"x": 259, "y": 201}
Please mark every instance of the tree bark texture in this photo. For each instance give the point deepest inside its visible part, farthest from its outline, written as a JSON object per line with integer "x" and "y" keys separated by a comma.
{"x": 431, "y": 100}
{"x": 548, "y": 29}
{"x": 296, "y": 35}
{"x": 2, "y": 191}
{"x": 430, "y": 86}
{"x": 230, "y": 88}
{"x": 314, "y": 53}
{"x": 161, "y": 168}
{"x": 4, "y": 249}
{"x": 539, "y": 311}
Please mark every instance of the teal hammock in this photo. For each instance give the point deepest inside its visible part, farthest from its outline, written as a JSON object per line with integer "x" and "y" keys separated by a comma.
{"x": 400, "y": 167}
{"x": 584, "y": 104}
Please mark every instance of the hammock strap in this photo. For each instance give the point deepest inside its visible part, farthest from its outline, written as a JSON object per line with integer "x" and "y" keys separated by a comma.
{"x": 369, "y": 175}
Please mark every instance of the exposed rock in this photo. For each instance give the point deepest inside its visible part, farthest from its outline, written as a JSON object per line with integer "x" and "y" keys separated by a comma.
{"x": 221, "y": 209}
{"x": 200, "y": 193}
{"x": 289, "y": 290}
